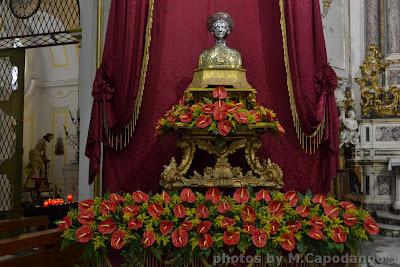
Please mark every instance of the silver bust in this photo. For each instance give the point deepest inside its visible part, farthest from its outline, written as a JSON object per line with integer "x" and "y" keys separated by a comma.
{"x": 220, "y": 25}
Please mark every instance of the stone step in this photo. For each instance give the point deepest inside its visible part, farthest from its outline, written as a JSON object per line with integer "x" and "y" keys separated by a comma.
{"x": 387, "y": 217}
{"x": 389, "y": 230}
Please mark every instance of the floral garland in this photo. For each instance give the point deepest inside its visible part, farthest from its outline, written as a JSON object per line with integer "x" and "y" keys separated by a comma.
{"x": 221, "y": 117}
{"x": 191, "y": 224}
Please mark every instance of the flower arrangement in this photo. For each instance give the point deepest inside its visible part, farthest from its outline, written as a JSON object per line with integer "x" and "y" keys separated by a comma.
{"x": 192, "y": 224}
{"x": 220, "y": 115}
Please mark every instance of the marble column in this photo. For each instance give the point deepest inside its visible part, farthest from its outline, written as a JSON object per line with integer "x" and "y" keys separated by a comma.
{"x": 392, "y": 41}
{"x": 396, "y": 204}
{"x": 393, "y": 27}
{"x": 373, "y": 22}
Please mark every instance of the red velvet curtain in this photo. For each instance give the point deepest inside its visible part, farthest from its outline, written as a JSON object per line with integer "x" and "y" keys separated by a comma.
{"x": 179, "y": 35}
{"x": 314, "y": 82}
{"x": 117, "y": 80}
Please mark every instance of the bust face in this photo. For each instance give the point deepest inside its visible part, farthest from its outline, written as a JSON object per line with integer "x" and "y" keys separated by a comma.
{"x": 221, "y": 29}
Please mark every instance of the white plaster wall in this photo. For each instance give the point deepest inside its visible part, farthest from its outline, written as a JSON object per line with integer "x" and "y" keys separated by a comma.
{"x": 51, "y": 92}
{"x": 87, "y": 68}
{"x": 344, "y": 32}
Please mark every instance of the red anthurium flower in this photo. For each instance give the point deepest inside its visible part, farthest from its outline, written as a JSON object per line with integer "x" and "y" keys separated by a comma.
{"x": 221, "y": 105}
{"x": 316, "y": 233}
{"x": 371, "y": 226}
{"x": 248, "y": 214}
{"x": 107, "y": 227}
{"x": 203, "y": 227}
{"x": 85, "y": 205}
{"x": 274, "y": 227}
{"x": 349, "y": 219}
{"x": 279, "y": 129}
{"x": 65, "y": 223}
{"x": 331, "y": 211}
{"x": 240, "y": 117}
{"x": 220, "y": 92}
{"x": 203, "y": 121}
{"x": 213, "y": 195}
{"x": 202, "y": 212}
{"x": 171, "y": 119}
{"x": 303, "y": 211}
{"x": 224, "y": 127}
{"x": 319, "y": 199}
{"x": 117, "y": 198}
{"x": 224, "y": 207}
{"x": 148, "y": 239}
{"x": 187, "y": 195}
{"x": 288, "y": 242}
{"x": 241, "y": 195}
{"x": 231, "y": 238}
{"x": 220, "y": 115}
{"x": 317, "y": 222}
{"x": 206, "y": 241}
{"x": 180, "y": 238}
{"x": 107, "y": 207}
{"x": 118, "y": 239}
{"x": 259, "y": 238}
{"x": 86, "y": 217}
{"x": 226, "y": 222}
{"x": 256, "y": 115}
{"x": 186, "y": 226}
{"x": 166, "y": 227}
{"x": 83, "y": 234}
{"x": 263, "y": 194}
{"x": 165, "y": 196}
{"x": 155, "y": 210}
{"x": 131, "y": 210}
{"x": 185, "y": 118}
{"x": 208, "y": 109}
{"x": 347, "y": 205}
{"x": 135, "y": 224}
{"x": 140, "y": 197}
{"x": 179, "y": 211}
{"x": 248, "y": 228}
{"x": 276, "y": 208}
{"x": 292, "y": 198}
{"x": 339, "y": 235}
{"x": 294, "y": 226}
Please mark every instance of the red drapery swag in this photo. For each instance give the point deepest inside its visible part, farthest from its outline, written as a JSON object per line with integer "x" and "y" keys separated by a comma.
{"x": 116, "y": 84}
{"x": 179, "y": 35}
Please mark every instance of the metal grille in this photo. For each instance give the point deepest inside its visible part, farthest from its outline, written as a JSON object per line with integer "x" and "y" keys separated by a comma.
{"x": 6, "y": 193}
{"x": 7, "y": 151}
{"x": 55, "y": 23}
{"x": 7, "y": 136}
{"x": 5, "y": 80}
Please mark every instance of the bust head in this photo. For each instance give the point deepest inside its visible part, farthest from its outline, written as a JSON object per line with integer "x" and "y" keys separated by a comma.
{"x": 220, "y": 24}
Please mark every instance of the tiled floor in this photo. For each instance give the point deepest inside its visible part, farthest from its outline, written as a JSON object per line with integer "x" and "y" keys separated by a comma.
{"x": 386, "y": 251}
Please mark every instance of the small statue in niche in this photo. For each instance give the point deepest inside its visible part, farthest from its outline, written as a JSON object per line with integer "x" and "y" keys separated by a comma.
{"x": 38, "y": 159}
{"x": 349, "y": 134}
{"x": 220, "y": 25}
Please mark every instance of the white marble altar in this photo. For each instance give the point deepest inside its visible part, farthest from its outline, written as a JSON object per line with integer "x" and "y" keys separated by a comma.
{"x": 378, "y": 148}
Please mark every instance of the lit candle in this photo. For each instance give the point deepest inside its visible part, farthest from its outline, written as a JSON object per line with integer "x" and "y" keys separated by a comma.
{"x": 70, "y": 198}
{"x": 45, "y": 204}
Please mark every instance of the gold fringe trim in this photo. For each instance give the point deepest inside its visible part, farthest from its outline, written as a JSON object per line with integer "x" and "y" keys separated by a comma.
{"x": 121, "y": 139}
{"x": 309, "y": 143}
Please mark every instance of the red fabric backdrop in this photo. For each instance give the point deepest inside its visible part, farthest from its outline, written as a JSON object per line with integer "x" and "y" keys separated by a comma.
{"x": 178, "y": 37}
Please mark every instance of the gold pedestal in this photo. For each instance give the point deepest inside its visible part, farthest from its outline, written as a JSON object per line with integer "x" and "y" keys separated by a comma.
{"x": 228, "y": 77}
{"x": 261, "y": 173}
